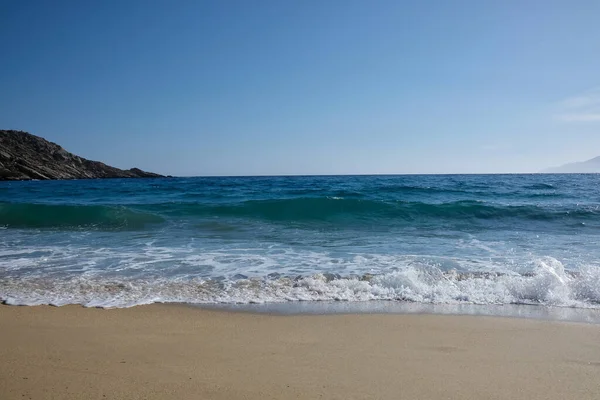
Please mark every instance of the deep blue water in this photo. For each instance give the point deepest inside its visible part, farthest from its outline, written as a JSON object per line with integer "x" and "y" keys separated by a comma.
{"x": 453, "y": 239}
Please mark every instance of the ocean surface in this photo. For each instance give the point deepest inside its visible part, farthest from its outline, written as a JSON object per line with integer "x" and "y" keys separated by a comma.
{"x": 461, "y": 240}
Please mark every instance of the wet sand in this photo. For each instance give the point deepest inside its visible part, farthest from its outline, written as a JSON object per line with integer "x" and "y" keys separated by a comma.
{"x": 178, "y": 352}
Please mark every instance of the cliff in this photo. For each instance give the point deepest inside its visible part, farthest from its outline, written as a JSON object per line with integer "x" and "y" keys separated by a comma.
{"x": 24, "y": 156}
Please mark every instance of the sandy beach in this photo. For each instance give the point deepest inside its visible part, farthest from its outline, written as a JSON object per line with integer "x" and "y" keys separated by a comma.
{"x": 178, "y": 352}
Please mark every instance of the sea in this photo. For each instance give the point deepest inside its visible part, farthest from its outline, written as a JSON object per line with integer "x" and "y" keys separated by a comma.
{"x": 461, "y": 243}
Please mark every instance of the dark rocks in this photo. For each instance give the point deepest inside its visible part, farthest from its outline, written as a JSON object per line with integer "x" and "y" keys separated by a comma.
{"x": 25, "y": 157}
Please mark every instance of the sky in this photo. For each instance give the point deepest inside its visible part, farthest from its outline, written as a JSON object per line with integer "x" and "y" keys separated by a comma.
{"x": 261, "y": 87}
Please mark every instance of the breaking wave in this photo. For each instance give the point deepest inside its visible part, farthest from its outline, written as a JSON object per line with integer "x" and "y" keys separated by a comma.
{"x": 549, "y": 284}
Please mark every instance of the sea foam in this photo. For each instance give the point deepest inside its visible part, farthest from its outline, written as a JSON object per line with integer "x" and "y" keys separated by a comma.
{"x": 549, "y": 284}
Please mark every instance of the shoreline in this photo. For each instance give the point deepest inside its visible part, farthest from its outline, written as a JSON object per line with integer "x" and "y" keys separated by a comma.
{"x": 176, "y": 351}
{"x": 379, "y": 307}
{"x": 384, "y": 307}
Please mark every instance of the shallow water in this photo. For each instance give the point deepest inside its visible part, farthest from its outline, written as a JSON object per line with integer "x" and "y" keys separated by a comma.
{"x": 564, "y": 314}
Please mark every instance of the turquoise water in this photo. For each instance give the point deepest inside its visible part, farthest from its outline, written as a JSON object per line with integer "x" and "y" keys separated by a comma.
{"x": 454, "y": 239}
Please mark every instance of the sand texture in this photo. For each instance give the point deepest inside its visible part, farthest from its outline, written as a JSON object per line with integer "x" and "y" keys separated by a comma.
{"x": 177, "y": 352}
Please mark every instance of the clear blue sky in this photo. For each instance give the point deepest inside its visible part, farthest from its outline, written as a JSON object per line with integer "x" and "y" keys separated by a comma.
{"x": 306, "y": 87}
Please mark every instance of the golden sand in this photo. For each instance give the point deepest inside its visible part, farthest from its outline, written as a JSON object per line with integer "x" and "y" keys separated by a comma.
{"x": 178, "y": 352}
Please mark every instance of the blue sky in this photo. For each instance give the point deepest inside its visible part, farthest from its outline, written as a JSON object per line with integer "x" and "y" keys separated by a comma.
{"x": 306, "y": 87}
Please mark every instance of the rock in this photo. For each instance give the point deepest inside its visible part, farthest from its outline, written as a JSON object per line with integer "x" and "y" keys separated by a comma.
{"x": 24, "y": 156}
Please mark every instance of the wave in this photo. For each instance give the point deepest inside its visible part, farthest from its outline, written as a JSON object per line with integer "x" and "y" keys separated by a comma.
{"x": 25, "y": 215}
{"x": 540, "y": 186}
{"x": 429, "y": 190}
{"x": 549, "y": 284}
{"x": 308, "y": 209}
{"x": 330, "y": 208}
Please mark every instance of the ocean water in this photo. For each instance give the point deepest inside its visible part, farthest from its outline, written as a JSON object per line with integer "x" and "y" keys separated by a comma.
{"x": 457, "y": 240}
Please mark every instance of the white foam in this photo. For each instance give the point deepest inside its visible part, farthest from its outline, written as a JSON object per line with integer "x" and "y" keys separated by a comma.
{"x": 549, "y": 284}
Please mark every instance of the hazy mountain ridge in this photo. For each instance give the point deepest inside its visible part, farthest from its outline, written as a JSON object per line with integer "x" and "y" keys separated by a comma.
{"x": 24, "y": 156}
{"x": 589, "y": 166}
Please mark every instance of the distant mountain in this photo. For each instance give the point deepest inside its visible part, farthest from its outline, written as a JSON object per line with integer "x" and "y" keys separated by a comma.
{"x": 24, "y": 156}
{"x": 589, "y": 166}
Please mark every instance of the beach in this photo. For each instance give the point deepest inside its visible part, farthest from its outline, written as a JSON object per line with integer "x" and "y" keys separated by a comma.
{"x": 181, "y": 352}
